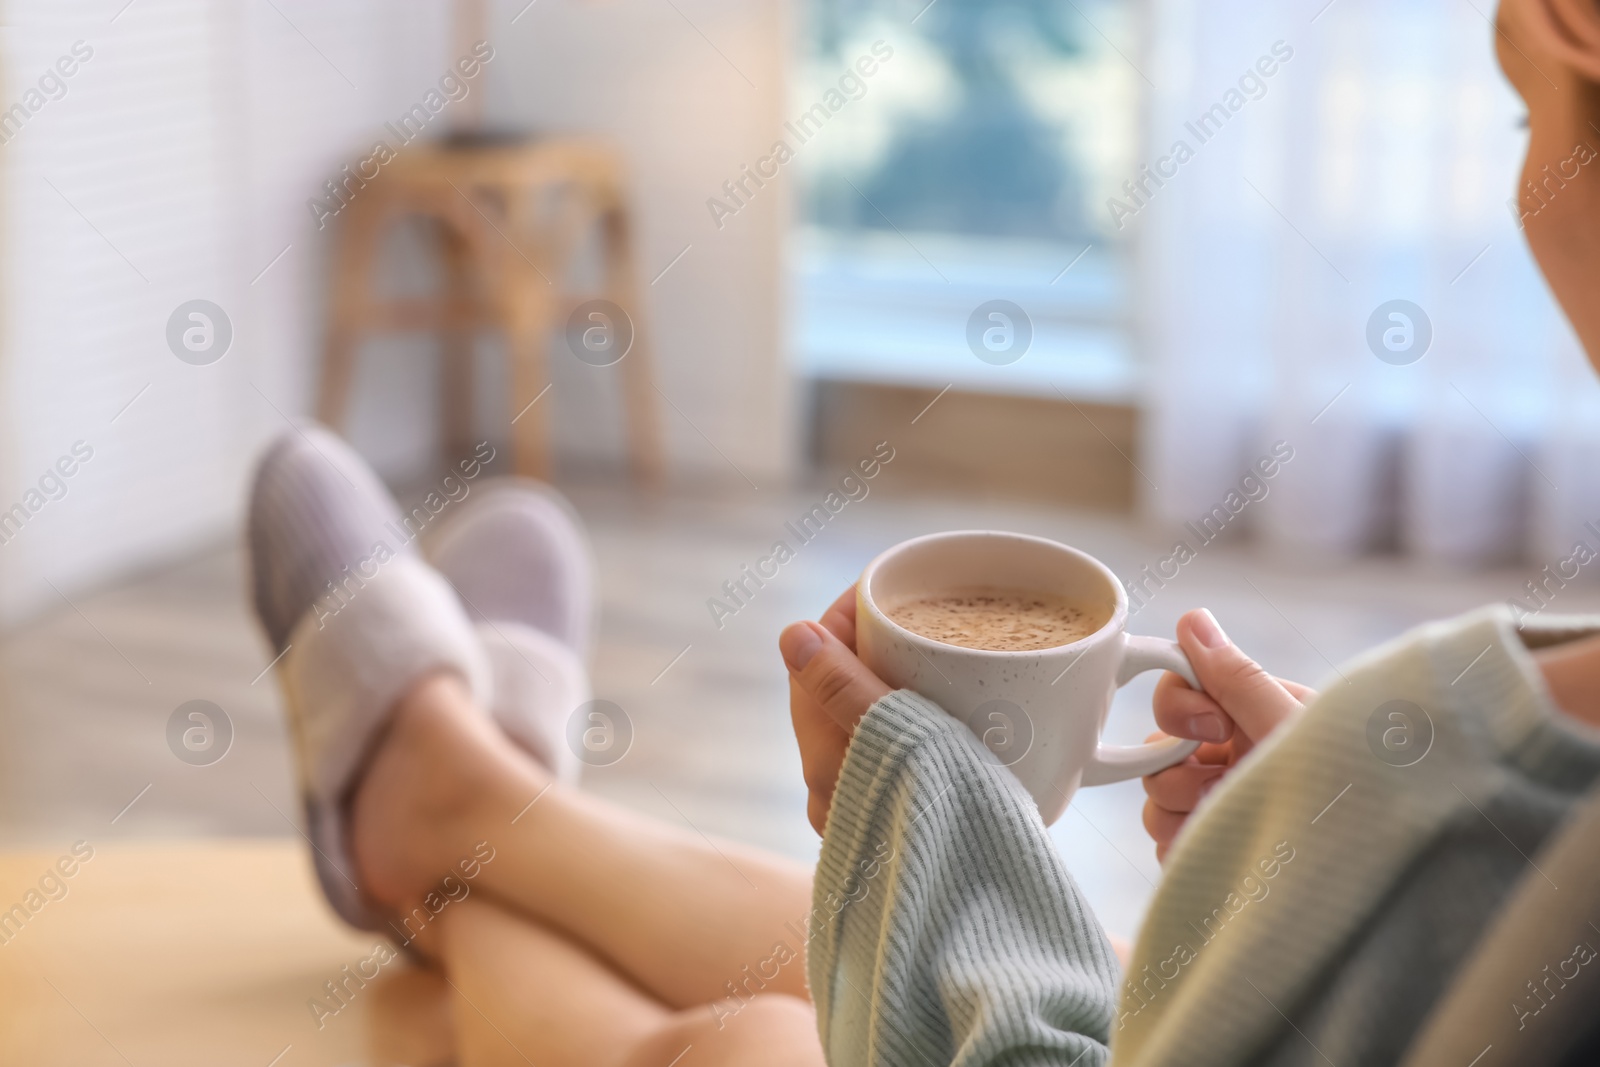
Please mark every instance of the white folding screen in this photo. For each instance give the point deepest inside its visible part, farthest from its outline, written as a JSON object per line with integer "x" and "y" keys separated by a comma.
{"x": 116, "y": 211}
{"x": 173, "y": 163}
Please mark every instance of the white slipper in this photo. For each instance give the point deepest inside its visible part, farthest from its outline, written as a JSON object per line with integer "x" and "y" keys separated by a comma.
{"x": 515, "y": 549}
{"x": 516, "y": 553}
{"x": 539, "y": 685}
{"x": 341, "y": 678}
{"x": 357, "y": 618}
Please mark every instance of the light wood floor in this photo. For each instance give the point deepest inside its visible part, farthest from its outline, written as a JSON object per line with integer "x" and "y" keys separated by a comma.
{"x": 203, "y": 952}
{"x": 87, "y": 691}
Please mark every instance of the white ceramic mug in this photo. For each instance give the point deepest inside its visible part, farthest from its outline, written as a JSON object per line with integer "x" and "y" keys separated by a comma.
{"x": 1039, "y": 712}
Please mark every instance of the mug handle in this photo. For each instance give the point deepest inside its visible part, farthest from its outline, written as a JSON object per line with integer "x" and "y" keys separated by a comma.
{"x": 1117, "y": 763}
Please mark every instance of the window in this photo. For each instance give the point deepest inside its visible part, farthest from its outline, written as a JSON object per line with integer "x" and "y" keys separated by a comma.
{"x": 968, "y": 156}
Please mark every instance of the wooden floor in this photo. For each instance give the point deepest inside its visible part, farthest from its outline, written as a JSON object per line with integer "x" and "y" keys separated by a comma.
{"x": 204, "y": 952}
{"x": 87, "y": 691}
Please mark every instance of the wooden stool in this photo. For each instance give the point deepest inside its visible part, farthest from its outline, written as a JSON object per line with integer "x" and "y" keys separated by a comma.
{"x": 510, "y": 216}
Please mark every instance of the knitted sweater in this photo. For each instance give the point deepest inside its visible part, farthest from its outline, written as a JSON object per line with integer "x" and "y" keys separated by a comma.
{"x": 1312, "y": 912}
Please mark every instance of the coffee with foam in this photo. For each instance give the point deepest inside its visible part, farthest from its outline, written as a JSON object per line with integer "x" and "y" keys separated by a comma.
{"x": 999, "y": 620}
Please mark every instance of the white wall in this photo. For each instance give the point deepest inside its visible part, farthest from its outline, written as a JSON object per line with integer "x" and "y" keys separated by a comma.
{"x": 181, "y": 160}
{"x": 313, "y": 107}
{"x": 175, "y": 166}
{"x": 117, "y": 207}
{"x": 686, "y": 118}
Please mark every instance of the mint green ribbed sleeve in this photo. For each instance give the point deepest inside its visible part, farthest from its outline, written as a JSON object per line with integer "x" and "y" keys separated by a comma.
{"x": 1314, "y": 910}
{"x": 946, "y": 930}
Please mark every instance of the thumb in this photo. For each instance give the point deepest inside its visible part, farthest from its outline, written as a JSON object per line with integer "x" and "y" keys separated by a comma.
{"x": 828, "y": 672}
{"x": 1255, "y": 700}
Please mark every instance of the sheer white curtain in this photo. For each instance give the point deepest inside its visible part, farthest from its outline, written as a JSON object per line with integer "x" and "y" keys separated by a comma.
{"x": 1373, "y": 164}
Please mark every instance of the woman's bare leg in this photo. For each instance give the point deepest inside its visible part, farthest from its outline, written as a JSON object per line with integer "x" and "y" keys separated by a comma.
{"x": 524, "y": 994}
{"x": 687, "y": 920}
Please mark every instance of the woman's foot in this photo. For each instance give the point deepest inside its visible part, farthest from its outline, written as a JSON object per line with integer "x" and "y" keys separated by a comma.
{"x": 441, "y": 767}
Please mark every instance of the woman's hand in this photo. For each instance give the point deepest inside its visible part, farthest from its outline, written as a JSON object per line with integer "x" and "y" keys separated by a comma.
{"x": 1241, "y": 705}
{"x": 829, "y": 691}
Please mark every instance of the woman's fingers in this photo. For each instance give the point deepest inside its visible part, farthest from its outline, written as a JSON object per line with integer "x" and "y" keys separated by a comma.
{"x": 822, "y": 747}
{"x": 840, "y": 618}
{"x": 1184, "y": 712}
{"x": 817, "y": 812}
{"x": 1255, "y": 700}
{"x": 822, "y": 741}
{"x": 829, "y": 690}
{"x": 1207, "y": 753}
{"x": 1302, "y": 693}
{"x": 1179, "y": 789}
{"x": 829, "y": 672}
{"x": 1162, "y": 825}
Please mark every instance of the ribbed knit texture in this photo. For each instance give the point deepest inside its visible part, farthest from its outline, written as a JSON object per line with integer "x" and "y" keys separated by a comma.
{"x": 1529, "y": 992}
{"x": 1313, "y": 911}
{"x": 945, "y": 928}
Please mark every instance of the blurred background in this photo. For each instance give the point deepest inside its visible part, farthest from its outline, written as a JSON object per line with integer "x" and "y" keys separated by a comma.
{"x": 1080, "y": 265}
